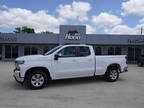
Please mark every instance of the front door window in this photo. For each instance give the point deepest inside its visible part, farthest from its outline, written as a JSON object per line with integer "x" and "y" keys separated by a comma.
{"x": 68, "y": 52}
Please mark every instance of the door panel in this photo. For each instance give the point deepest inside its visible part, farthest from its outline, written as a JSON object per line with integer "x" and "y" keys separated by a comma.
{"x": 85, "y": 66}
{"x": 66, "y": 67}
{"x": 71, "y": 63}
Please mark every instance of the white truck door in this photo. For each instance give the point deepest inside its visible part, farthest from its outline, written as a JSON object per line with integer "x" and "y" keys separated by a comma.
{"x": 74, "y": 61}
{"x": 85, "y": 61}
{"x": 66, "y": 66}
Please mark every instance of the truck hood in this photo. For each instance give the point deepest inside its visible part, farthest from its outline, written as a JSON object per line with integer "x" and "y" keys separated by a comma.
{"x": 32, "y": 57}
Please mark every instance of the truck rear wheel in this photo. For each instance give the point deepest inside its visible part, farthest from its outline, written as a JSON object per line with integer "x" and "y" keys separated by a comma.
{"x": 112, "y": 74}
{"x": 36, "y": 79}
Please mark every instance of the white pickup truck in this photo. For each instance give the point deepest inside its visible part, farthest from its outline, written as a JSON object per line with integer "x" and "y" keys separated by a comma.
{"x": 67, "y": 61}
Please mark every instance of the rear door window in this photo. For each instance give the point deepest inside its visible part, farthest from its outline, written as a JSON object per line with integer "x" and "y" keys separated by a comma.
{"x": 83, "y": 51}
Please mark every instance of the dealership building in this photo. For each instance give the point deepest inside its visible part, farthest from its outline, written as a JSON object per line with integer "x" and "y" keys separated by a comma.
{"x": 15, "y": 45}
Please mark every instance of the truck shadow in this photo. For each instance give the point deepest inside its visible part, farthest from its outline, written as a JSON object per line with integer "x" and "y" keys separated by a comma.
{"x": 66, "y": 82}
{"x": 76, "y": 81}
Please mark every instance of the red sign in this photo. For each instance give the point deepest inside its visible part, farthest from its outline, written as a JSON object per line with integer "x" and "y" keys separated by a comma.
{"x": 72, "y": 32}
{"x": 72, "y": 35}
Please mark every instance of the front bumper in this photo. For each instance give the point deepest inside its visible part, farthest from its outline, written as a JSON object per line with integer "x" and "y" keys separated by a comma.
{"x": 17, "y": 76}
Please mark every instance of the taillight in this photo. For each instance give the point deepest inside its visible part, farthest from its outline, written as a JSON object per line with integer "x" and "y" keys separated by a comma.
{"x": 126, "y": 57}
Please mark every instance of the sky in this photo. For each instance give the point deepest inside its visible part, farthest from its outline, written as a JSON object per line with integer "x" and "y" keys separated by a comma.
{"x": 99, "y": 16}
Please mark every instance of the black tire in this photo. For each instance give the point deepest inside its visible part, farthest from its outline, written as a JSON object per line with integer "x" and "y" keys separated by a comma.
{"x": 37, "y": 79}
{"x": 112, "y": 74}
{"x": 140, "y": 64}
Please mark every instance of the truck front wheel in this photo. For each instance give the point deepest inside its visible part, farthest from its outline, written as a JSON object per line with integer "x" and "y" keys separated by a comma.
{"x": 112, "y": 74}
{"x": 36, "y": 79}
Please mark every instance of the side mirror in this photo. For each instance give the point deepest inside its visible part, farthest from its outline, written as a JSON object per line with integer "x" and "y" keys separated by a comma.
{"x": 56, "y": 57}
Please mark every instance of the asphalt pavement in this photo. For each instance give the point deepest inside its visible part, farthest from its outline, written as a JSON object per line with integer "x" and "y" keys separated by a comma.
{"x": 127, "y": 92}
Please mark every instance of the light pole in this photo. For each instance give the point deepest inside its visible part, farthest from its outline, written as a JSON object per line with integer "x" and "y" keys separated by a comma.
{"x": 141, "y": 31}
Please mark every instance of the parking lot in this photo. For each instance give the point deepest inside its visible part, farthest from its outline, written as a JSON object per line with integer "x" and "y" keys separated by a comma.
{"x": 127, "y": 92}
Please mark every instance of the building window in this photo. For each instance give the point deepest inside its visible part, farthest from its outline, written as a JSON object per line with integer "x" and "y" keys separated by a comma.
{"x": 114, "y": 51}
{"x": 11, "y": 51}
{"x": 111, "y": 51}
{"x": 14, "y": 51}
{"x": 97, "y": 50}
{"x": 26, "y": 50}
{"x": 34, "y": 50}
{"x": 7, "y": 51}
{"x": 30, "y": 50}
{"x": 46, "y": 49}
{"x": 137, "y": 53}
{"x": 133, "y": 53}
{"x": 117, "y": 51}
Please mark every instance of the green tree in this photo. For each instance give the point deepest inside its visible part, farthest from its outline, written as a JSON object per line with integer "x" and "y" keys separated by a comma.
{"x": 18, "y": 30}
{"x": 24, "y": 29}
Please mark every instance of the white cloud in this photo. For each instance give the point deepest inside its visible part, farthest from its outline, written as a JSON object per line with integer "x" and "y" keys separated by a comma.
{"x": 78, "y": 10}
{"x": 4, "y": 6}
{"x": 124, "y": 29}
{"x": 133, "y": 7}
{"x": 40, "y": 21}
{"x": 106, "y": 19}
{"x": 90, "y": 29}
{"x": 142, "y": 20}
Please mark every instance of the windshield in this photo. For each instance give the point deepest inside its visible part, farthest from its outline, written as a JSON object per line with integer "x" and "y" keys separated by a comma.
{"x": 52, "y": 50}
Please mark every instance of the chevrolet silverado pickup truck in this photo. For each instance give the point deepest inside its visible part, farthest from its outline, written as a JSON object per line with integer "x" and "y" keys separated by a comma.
{"x": 67, "y": 61}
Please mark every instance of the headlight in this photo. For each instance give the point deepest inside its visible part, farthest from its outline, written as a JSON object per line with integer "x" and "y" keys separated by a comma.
{"x": 17, "y": 63}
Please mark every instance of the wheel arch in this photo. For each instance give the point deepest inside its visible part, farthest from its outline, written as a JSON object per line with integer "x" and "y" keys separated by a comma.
{"x": 44, "y": 69}
{"x": 116, "y": 65}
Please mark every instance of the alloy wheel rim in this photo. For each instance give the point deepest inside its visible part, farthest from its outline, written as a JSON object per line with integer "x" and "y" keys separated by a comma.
{"x": 113, "y": 74}
{"x": 37, "y": 80}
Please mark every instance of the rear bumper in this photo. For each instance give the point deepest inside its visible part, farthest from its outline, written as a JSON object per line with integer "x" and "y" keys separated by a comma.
{"x": 125, "y": 69}
{"x": 18, "y": 78}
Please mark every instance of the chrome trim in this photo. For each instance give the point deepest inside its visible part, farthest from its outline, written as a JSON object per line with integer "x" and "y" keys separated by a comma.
{"x": 17, "y": 76}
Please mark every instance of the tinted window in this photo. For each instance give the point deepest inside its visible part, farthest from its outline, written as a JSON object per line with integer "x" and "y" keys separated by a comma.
{"x": 11, "y": 51}
{"x": 34, "y": 50}
{"x": 130, "y": 54}
{"x": 98, "y": 51}
{"x": 7, "y": 51}
{"x": 137, "y": 53}
{"x": 117, "y": 51}
{"x": 68, "y": 52}
{"x": 83, "y": 51}
{"x": 26, "y": 50}
{"x": 14, "y": 51}
{"x": 111, "y": 51}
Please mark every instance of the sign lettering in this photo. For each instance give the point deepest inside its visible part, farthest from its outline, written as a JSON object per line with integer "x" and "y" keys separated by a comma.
{"x": 8, "y": 39}
{"x": 73, "y": 35}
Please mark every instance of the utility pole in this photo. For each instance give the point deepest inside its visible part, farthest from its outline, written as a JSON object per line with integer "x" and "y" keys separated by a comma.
{"x": 141, "y": 30}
